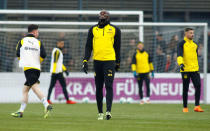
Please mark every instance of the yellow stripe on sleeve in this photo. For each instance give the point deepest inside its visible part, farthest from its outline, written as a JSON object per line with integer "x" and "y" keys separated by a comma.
{"x": 21, "y": 42}
{"x": 39, "y": 43}
{"x": 133, "y": 67}
{"x": 17, "y": 45}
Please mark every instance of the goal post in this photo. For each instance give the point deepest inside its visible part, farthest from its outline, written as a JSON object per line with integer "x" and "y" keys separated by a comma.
{"x": 80, "y": 12}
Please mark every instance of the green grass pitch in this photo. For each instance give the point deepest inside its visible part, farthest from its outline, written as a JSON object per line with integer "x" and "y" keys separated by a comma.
{"x": 126, "y": 117}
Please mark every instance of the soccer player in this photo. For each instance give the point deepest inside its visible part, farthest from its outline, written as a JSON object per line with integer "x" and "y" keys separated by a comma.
{"x": 57, "y": 68}
{"x": 187, "y": 59}
{"x": 141, "y": 67}
{"x": 31, "y": 53}
{"x": 104, "y": 39}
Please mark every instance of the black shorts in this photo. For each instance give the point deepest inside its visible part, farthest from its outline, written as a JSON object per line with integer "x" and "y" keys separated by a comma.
{"x": 32, "y": 77}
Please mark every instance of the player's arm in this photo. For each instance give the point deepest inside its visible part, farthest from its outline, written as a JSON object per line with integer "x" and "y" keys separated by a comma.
{"x": 89, "y": 45}
{"x": 42, "y": 52}
{"x": 117, "y": 44}
{"x": 19, "y": 44}
{"x": 65, "y": 70}
{"x": 64, "y": 67}
{"x": 133, "y": 65}
{"x": 180, "y": 53}
{"x": 56, "y": 56}
{"x": 150, "y": 63}
{"x": 88, "y": 50}
{"x": 151, "y": 67}
{"x": 197, "y": 49}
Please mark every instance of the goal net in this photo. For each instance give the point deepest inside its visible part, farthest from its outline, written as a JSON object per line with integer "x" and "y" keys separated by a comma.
{"x": 160, "y": 42}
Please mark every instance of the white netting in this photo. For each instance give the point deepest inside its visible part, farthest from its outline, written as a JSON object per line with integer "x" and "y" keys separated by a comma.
{"x": 160, "y": 42}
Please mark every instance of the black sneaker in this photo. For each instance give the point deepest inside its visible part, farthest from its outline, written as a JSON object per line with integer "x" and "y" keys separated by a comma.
{"x": 108, "y": 115}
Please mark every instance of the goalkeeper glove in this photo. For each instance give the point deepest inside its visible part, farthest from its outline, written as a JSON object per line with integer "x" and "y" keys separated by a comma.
{"x": 117, "y": 66}
{"x": 135, "y": 74}
{"x": 153, "y": 74}
{"x": 67, "y": 73}
{"x": 182, "y": 67}
{"x": 85, "y": 66}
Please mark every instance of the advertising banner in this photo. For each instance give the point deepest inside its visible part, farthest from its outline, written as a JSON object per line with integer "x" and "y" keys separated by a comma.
{"x": 161, "y": 89}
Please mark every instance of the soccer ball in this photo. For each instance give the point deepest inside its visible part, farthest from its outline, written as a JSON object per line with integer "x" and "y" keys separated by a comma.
{"x": 60, "y": 97}
{"x": 129, "y": 100}
{"x": 85, "y": 100}
{"x": 122, "y": 100}
{"x": 72, "y": 98}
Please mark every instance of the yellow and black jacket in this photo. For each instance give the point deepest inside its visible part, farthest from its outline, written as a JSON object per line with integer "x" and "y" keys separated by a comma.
{"x": 105, "y": 43}
{"x": 187, "y": 54}
{"x": 142, "y": 62}
{"x": 42, "y": 50}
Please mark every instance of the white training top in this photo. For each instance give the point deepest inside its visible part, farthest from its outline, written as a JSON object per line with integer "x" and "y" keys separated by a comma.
{"x": 30, "y": 53}
{"x": 56, "y": 61}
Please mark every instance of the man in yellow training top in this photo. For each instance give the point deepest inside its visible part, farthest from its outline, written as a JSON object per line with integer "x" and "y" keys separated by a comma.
{"x": 104, "y": 39}
{"x": 187, "y": 59}
{"x": 141, "y": 67}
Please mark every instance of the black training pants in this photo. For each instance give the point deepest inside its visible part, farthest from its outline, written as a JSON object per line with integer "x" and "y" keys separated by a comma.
{"x": 104, "y": 73}
{"x": 195, "y": 77}
{"x": 54, "y": 78}
{"x": 143, "y": 77}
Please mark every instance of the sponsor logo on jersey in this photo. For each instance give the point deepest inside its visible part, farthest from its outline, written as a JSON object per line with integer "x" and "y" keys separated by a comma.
{"x": 30, "y": 48}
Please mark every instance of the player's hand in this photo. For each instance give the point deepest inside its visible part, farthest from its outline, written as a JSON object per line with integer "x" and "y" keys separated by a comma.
{"x": 117, "y": 67}
{"x": 67, "y": 73}
{"x": 152, "y": 74}
{"x": 135, "y": 74}
{"x": 85, "y": 66}
{"x": 182, "y": 67}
